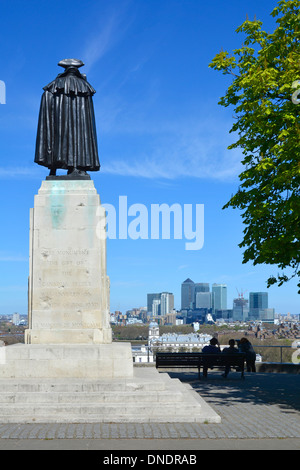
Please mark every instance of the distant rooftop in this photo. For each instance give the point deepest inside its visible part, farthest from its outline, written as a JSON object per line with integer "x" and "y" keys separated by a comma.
{"x": 179, "y": 338}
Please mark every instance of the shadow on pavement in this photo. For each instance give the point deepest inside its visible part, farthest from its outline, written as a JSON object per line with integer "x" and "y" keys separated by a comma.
{"x": 282, "y": 390}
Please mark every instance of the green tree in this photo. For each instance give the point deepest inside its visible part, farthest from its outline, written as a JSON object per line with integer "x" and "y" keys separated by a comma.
{"x": 265, "y": 71}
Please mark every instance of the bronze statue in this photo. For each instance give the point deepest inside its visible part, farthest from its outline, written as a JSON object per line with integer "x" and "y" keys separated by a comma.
{"x": 66, "y": 136}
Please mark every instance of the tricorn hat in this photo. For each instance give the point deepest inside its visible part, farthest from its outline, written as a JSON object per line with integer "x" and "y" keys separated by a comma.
{"x": 70, "y": 63}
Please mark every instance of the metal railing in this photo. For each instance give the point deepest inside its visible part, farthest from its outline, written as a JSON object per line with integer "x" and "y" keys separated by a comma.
{"x": 283, "y": 357}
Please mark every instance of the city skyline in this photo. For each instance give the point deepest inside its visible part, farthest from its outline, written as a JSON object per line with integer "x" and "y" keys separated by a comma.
{"x": 162, "y": 138}
{"x": 197, "y": 295}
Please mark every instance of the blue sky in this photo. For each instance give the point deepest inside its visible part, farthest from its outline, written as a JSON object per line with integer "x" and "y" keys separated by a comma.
{"x": 162, "y": 136}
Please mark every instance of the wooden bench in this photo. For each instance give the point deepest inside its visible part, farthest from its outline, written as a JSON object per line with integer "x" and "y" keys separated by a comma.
{"x": 198, "y": 360}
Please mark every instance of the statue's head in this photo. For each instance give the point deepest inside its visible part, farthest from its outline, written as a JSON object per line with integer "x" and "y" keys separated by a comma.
{"x": 71, "y": 65}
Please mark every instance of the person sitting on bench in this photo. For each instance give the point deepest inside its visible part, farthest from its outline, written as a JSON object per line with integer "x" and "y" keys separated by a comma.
{"x": 246, "y": 347}
{"x": 212, "y": 348}
{"x": 230, "y": 350}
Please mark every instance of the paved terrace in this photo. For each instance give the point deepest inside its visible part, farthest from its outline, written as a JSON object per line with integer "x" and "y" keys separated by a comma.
{"x": 262, "y": 411}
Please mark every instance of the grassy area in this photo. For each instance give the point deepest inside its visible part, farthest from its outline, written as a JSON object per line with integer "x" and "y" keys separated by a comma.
{"x": 140, "y": 332}
{"x": 11, "y": 334}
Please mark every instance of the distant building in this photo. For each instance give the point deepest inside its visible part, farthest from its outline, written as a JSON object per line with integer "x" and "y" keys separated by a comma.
{"x": 219, "y": 292}
{"x": 257, "y": 301}
{"x": 160, "y": 304}
{"x": 16, "y": 318}
{"x": 240, "y": 311}
{"x": 153, "y": 333}
{"x": 203, "y": 300}
{"x": 187, "y": 294}
{"x": 201, "y": 287}
{"x": 170, "y": 319}
{"x": 133, "y": 321}
{"x": 150, "y": 299}
{"x": 169, "y": 342}
{"x": 166, "y": 303}
{"x": 156, "y": 307}
{"x": 226, "y": 315}
{"x": 175, "y": 342}
{"x": 267, "y": 314}
{"x": 141, "y": 354}
{"x": 194, "y": 315}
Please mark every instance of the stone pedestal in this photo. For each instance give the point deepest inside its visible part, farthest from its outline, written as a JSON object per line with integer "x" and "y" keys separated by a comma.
{"x": 69, "y": 332}
{"x": 68, "y": 285}
{"x": 69, "y": 370}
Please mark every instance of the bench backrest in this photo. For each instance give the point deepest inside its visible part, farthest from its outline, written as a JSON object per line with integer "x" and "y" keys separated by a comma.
{"x": 199, "y": 359}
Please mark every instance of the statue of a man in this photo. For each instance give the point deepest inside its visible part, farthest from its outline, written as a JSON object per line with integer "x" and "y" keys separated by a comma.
{"x": 66, "y": 136}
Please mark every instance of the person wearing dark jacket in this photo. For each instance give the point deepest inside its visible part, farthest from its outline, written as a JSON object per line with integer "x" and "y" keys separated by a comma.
{"x": 230, "y": 350}
{"x": 246, "y": 347}
{"x": 212, "y": 348}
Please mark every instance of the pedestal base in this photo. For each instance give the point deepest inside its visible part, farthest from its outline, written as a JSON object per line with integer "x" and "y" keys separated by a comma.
{"x": 146, "y": 397}
{"x": 63, "y": 383}
{"x": 66, "y": 360}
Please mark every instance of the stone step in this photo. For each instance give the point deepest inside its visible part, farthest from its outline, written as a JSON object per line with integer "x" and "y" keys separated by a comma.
{"x": 129, "y": 412}
{"x": 161, "y": 396}
{"x": 148, "y": 396}
{"x": 134, "y": 419}
{"x": 44, "y": 385}
{"x": 92, "y": 408}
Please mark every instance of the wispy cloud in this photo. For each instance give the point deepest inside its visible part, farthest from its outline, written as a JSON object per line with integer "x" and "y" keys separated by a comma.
{"x": 226, "y": 278}
{"x": 132, "y": 283}
{"x": 12, "y": 257}
{"x": 183, "y": 266}
{"x": 108, "y": 33}
{"x": 100, "y": 43}
{"x": 184, "y": 145}
{"x": 21, "y": 288}
{"x": 172, "y": 157}
{"x": 20, "y": 172}
{"x": 202, "y": 157}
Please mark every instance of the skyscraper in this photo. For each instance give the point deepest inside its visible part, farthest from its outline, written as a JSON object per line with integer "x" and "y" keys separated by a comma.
{"x": 187, "y": 294}
{"x": 219, "y": 292}
{"x": 166, "y": 303}
{"x": 160, "y": 304}
{"x": 240, "y": 310}
{"x": 203, "y": 300}
{"x": 150, "y": 299}
{"x": 201, "y": 287}
{"x": 156, "y": 307}
{"x": 258, "y": 302}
